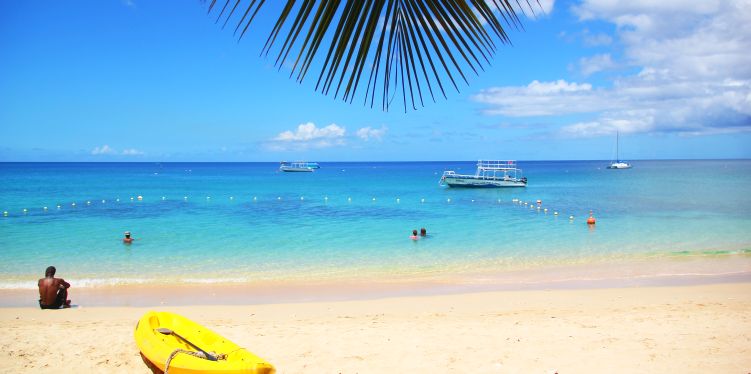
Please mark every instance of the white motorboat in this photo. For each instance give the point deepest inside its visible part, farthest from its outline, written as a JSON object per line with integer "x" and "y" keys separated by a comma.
{"x": 298, "y": 166}
{"x": 489, "y": 174}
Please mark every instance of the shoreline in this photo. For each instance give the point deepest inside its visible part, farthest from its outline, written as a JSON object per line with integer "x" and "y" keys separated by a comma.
{"x": 688, "y": 329}
{"x": 680, "y": 271}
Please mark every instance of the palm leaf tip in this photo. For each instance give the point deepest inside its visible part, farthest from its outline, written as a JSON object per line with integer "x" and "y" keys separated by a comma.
{"x": 408, "y": 47}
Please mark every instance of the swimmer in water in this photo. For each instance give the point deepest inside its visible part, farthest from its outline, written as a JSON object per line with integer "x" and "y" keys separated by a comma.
{"x": 414, "y": 235}
{"x": 423, "y": 232}
{"x": 127, "y": 239}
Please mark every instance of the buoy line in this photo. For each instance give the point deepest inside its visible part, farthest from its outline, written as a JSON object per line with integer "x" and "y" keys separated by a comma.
{"x": 535, "y": 205}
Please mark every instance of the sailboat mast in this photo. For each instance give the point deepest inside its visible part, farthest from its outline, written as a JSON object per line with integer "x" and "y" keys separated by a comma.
{"x": 617, "y": 156}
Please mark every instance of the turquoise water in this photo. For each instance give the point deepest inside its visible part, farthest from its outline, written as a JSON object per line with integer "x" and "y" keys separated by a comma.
{"x": 245, "y": 222}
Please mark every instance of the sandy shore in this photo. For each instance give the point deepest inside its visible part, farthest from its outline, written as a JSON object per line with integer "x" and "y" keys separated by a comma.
{"x": 624, "y": 273}
{"x": 690, "y": 329}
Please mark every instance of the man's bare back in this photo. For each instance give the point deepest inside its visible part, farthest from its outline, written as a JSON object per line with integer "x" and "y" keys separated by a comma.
{"x": 53, "y": 292}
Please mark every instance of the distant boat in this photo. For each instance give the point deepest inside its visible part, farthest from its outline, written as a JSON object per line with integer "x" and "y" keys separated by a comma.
{"x": 298, "y": 166}
{"x": 618, "y": 164}
{"x": 496, "y": 173}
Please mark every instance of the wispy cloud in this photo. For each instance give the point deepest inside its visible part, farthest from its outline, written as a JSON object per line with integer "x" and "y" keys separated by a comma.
{"x": 103, "y": 150}
{"x": 546, "y": 5}
{"x": 367, "y": 133}
{"x": 538, "y": 99}
{"x": 596, "y": 63}
{"x": 131, "y": 152}
{"x": 309, "y": 136}
{"x": 106, "y": 150}
{"x": 693, "y": 73}
{"x": 597, "y": 40}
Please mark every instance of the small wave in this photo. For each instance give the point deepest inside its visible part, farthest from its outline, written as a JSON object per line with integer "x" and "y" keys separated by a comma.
{"x": 105, "y": 282}
{"x": 78, "y": 283}
{"x": 710, "y": 252}
{"x": 99, "y": 282}
{"x": 20, "y": 285}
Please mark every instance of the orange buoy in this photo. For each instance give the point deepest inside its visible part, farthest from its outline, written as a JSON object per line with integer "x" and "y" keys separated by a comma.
{"x": 591, "y": 219}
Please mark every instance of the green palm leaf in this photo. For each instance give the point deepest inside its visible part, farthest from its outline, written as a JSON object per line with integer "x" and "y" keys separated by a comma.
{"x": 408, "y": 47}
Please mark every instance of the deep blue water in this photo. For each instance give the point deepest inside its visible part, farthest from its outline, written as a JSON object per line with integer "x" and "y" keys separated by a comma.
{"x": 247, "y": 221}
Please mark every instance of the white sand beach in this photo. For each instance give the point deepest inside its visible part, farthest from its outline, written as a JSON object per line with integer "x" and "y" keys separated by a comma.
{"x": 688, "y": 329}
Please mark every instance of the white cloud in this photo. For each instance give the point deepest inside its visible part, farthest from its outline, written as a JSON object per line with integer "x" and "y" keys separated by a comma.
{"x": 625, "y": 10}
{"x": 624, "y": 122}
{"x": 705, "y": 39}
{"x": 131, "y": 152}
{"x": 547, "y": 5}
{"x": 307, "y": 135}
{"x": 539, "y": 8}
{"x": 560, "y": 85}
{"x": 597, "y": 40}
{"x": 646, "y": 102}
{"x": 693, "y": 72}
{"x": 539, "y": 99}
{"x": 596, "y": 63}
{"x": 367, "y": 133}
{"x": 103, "y": 150}
{"x": 309, "y": 131}
{"x": 533, "y": 10}
{"x": 107, "y": 150}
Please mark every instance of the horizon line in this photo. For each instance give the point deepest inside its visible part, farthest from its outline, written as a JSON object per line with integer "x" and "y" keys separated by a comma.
{"x": 366, "y": 161}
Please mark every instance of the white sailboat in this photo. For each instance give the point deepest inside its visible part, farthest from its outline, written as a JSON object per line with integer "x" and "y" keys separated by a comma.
{"x": 618, "y": 164}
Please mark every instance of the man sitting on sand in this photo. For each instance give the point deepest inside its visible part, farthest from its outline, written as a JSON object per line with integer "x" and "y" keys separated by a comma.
{"x": 53, "y": 292}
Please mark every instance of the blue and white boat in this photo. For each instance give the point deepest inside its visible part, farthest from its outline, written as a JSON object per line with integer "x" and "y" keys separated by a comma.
{"x": 490, "y": 174}
{"x": 298, "y": 166}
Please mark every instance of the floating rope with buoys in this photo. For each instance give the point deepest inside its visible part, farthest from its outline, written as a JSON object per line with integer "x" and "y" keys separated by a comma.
{"x": 534, "y": 205}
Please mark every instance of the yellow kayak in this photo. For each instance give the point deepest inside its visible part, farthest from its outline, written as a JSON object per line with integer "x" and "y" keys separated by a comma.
{"x": 177, "y": 345}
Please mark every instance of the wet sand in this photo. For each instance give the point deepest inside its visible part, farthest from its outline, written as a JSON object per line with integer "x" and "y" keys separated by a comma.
{"x": 670, "y": 271}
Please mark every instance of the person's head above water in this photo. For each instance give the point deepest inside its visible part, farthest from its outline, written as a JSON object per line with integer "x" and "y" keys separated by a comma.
{"x": 414, "y": 232}
{"x": 127, "y": 239}
{"x": 423, "y": 232}
{"x": 50, "y": 272}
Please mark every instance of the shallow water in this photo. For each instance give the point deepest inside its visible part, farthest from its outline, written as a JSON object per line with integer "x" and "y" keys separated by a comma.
{"x": 245, "y": 222}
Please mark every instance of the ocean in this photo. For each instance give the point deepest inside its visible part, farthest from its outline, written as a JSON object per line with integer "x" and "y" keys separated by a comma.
{"x": 247, "y": 222}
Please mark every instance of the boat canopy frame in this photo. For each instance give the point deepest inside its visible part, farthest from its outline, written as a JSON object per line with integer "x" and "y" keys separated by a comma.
{"x": 300, "y": 164}
{"x": 490, "y": 169}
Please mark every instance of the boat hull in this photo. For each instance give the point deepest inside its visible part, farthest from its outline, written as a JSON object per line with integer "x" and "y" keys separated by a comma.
{"x": 620, "y": 165}
{"x": 296, "y": 170}
{"x": 481, "y": 183}
{"x": 156, "y": 347}
{"x": 298, "y": 166}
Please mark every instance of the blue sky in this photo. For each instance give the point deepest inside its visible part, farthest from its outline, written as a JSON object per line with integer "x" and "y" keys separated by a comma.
{"x": 159, "y": 81}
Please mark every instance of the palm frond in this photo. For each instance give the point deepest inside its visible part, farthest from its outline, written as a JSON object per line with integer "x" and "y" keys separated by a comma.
{"x": 408, "y": 46}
